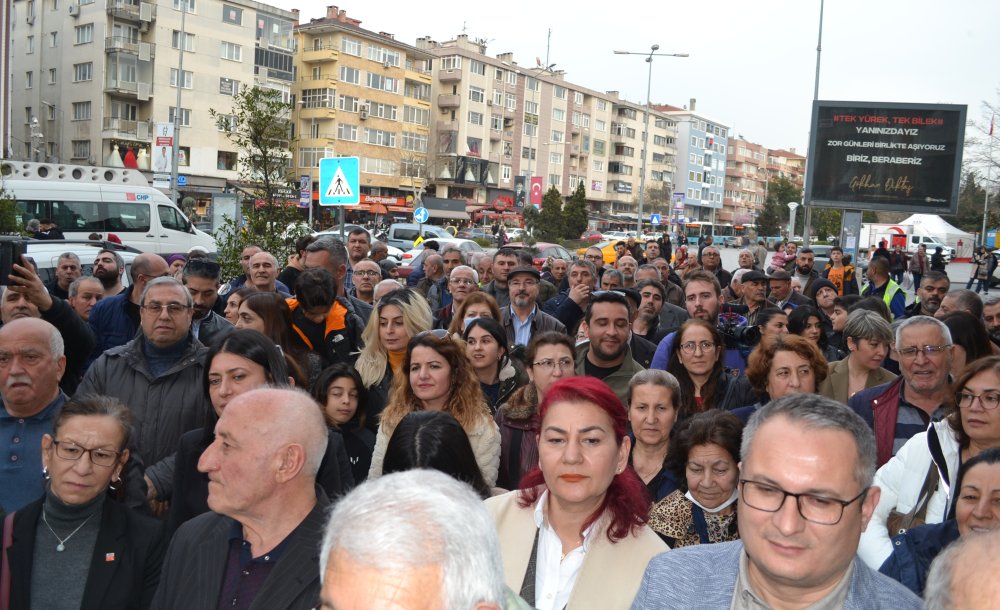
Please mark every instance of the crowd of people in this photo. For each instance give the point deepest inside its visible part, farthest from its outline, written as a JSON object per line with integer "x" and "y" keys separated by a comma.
{"x": 654, "y": 431}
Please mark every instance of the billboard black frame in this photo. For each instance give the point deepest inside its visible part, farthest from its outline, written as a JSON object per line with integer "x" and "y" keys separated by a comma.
{"x": 864, "y": 204}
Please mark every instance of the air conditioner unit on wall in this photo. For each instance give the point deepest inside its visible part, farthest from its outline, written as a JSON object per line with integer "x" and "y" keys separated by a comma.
{"x": 74, "y": 10}
{"x": 363, "y": 114}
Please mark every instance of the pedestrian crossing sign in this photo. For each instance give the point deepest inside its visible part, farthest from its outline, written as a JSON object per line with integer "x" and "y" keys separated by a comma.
{"x": 339, "y": 181}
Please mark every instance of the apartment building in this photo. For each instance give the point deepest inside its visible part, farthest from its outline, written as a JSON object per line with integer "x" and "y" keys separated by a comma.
{"x": 93, "y": 78}
{"x": 701, "y": 165}
{"x": 749, "y": 168}
{"x": 5, "y": 143}
{"x": 628, "y": 128}
{"x": 362, "y": 93}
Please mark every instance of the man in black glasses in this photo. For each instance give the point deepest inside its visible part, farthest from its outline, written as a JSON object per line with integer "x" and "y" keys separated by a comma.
{"x": 201, "y": 277}
{"x": 805, "y": 496}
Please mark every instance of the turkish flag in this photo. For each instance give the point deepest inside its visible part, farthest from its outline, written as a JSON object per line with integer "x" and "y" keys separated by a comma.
{"x": 535, "y": 197}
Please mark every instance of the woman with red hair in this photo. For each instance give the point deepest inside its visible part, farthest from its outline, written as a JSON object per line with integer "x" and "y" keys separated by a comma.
{"x": 575, "y": 534}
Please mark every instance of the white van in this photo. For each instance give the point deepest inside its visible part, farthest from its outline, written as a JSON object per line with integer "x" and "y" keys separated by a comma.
{"x": 82, "y": 200}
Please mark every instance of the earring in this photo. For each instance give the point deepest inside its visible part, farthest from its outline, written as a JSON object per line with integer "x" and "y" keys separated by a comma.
{"x": 45, "y": 473}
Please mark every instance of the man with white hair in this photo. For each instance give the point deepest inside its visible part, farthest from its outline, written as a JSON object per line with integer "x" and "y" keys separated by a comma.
{"x": 264, "y": 273}
{"x": 427, "y": 542}
{"x": 462, "y": 281}
{"x": 383, "y": 288}
{"x": 257, "y": 548}
{"x": 962, "y": 575}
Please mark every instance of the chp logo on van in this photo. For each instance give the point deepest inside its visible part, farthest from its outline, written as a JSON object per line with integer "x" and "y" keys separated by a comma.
{"x": 137, "y": 197}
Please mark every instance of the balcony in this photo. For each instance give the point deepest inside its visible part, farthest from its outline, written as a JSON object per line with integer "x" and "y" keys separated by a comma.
{"x": 320, "y": 140}
{"x": 449, "y": 100}
{"x": 495, "y": 135}
{"x": 115, "y": 127}
{"x": 443, "y": 126}
{"x": 449, "y": 76}
{"x": 119, "y": 86}
{"x": 321, "y": 112}
{"x": 132, "y": 11}
{"x": 121, "y": 44}
{"x": 574, "y": 150}
{"x": 324, "y": 53}
{"x": 318, "y": 81}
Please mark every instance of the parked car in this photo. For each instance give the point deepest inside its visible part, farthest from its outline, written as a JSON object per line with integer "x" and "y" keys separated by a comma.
{"x": 515, "y": 234}
{"x": 414, "y": 258}
{"x": 402, "y": 235}
{"x": 475, "y": 233}
{"x": 615, "y": 235}
{"x": 541, "y": 251}
{"x": 394, "y": 253}
{"x": 592, "y": 235}
{"x": 732, "y": 241}
{"x": 46, "y": 252}
{"x": 607, "y": 249}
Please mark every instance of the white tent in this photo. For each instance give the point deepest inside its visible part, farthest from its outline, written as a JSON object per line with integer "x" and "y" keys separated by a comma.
{"x": 933, "y": 225}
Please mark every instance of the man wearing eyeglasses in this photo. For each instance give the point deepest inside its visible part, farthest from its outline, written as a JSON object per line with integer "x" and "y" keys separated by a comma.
{"x": 522, "y": 318}
{"x": 462, "y": 282}
{"x": 366, "y": 274}
{"x": 904, "y": 407}
{"x": 115, "y": 320}
{"x": 159, "y": 376}
{"x": 201, "y": 278}
{"x": 596, "y": 258}
{"x": 806, "y": 495}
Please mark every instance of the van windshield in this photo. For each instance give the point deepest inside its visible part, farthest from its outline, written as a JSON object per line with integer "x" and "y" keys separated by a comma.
{"x": 88, "y": 216}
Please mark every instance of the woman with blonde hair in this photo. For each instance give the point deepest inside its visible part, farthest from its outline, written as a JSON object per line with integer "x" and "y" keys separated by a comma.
{"x": 437, "y": 376}
{"x": 397, "y": 318}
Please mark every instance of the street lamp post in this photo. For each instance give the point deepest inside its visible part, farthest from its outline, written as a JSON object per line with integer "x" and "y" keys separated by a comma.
{"x": 645, "y": 121}
{"x": 534, "y": 98}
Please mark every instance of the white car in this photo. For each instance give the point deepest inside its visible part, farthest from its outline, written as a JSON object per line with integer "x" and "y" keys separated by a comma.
{"x": 467, "y": 247}
{"x": 614, "y": 235}
{"x": 394, "y": 253}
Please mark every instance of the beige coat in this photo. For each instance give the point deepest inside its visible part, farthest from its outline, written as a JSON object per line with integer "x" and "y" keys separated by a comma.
{"x": 611, "y": 573}
{"x": 836, "y": 382}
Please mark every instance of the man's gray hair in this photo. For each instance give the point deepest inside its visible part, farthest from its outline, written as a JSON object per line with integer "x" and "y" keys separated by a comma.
{"x": 582, "y": 262}
{"x": 939, "y": 590}
{"x": 738, "y": 275}
{"x": 69, "y": 255}
{"x": 815, "y": 412}
{"x": 475, "y": 274}
{"x": 991, "y": 300}
{"x": 420, "y": 518}
{"x": 612, "y": 273}
{"x": 967, "y": 300}
{"x": 919, "y": 321}
{"x": 649, "y": 267}
{"x": 864, "y": 324}
{"x": 451, "y": 248}
{"x": 165, "y": 281}
{"x": 330, "y": 244}
{"x": 658, "y": 378}
{"x": 74, "y": 287}
{"x": 479, "y": 257}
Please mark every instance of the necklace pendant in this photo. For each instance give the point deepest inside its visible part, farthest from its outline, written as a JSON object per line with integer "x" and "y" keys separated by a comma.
{"x": 60, "y": 547}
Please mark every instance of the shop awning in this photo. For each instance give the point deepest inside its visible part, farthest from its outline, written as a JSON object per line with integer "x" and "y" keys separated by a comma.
{"x": 448, "y": 214}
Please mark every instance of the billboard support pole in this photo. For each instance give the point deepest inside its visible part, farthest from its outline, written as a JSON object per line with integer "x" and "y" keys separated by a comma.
{"x": 806, "y": 207}
{"x": 989, "y": 170}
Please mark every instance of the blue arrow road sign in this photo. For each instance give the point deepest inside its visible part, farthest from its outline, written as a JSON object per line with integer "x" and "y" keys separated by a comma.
{"x": 654, "y": 219}
{"x": 420, "y": 215}
{"x": 339, "y": 181}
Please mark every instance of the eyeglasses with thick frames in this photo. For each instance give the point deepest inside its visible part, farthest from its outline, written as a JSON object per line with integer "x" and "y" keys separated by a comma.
{"x": 462, "y": 280}
{"x": 812, "y": 507}
{"x": 368, "y": 273}
{"x": 73, "y": 452}
{"x": 988, "y": 400}
{"x": 910, "y": 353}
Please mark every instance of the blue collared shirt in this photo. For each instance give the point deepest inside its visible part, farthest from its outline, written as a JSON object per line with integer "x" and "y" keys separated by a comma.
{"x": 522, "y": 330}
{"x": 21, "y": 480}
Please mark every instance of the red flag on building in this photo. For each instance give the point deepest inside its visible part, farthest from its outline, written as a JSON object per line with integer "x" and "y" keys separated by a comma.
{"x": 535, "y": 197}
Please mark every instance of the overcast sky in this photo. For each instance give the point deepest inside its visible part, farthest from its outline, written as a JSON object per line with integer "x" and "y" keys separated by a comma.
{"x": 752, "y": 64}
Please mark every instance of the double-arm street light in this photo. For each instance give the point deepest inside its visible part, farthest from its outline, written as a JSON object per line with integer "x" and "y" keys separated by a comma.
{"x": 645, "y": 120}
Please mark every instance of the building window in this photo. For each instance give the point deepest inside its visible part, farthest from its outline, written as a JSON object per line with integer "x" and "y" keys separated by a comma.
{"x": 556, "y": 158}
{"x": 496, "y": 122}
{"x": 416, "y": 142}
{"x": 233, "y": 15}
{"x": 83, "y": 72}
{"x": 555, "y": 180}
{"x": 558, "y": 114}
{"x": 228, "y": 86}
{"x": 318, "y": 98}
{"x": 477, "y": 67}
{"x": 81, "y": 111}
{"x": 385, "y": 167}
{"x": 476, "y": 118}
{"x": 350, "y": 46}
{"x": 85, "y": 33}
{"x": 185, "y": 116}
{"x": 53, "y": 39}
{"x": 531, "y": 83}
{"x": 451, "y": 62}
{"x": 30, "y": 45}
{"x": 383, "y": 83}
{"x": 348, "y": 132}
{"x": 231, "y": 51}
{"x": 382, "y": 111}
{"x": 309, "y": 157}
{"x": 530, "y": 129}
{"x": 505, "y": 173}
{"x": 477, "y": 94}
{"x": 510, "y": 101}
{"x": 350, "y": 75}
{"x": 417, "y": 116}
{"x": 187, "y": 79}
{"x": 498, "y": 74}
{"x": 379, "y": 137}
{"x": 557, "y": 136}
{"x": 599, "y": 147}
{"x": 475, "y": 146}
{"x": 386, "y": 57}
{"x": 348, "y": 103}
{"x": 528, "y": 153}
{"x": 180, "y": 3}
{"x": 81, "y": 149}
{"x": 511, "y": 77}
{"x": 177, "y": 37}
{"x": 225, "y": 159}
{"x": 559, "y": 92}
{"x": 598, "y": 165}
